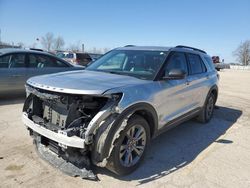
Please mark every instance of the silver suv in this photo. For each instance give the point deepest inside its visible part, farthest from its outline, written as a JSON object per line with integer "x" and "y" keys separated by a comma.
{"x": 107, "y": 114}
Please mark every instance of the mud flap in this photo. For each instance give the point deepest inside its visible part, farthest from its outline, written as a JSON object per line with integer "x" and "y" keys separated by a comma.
{"x": 63, "y": 165}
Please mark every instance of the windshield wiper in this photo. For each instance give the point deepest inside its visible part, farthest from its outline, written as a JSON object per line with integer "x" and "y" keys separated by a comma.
{"x": 114, "y": 72}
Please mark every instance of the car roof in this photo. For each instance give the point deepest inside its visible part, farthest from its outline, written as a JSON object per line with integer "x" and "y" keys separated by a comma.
{"x": 4, "y": 51}
{"x": 19, "y": 50}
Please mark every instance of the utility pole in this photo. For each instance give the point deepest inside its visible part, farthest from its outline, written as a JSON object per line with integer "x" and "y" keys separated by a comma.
{"x": 82, "y": 47}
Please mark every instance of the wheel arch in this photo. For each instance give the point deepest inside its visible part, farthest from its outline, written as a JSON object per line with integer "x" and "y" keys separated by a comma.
{"x": 102, "y": 150}
{"x": 145, "y": 110}
{"x": 214, "y": 91}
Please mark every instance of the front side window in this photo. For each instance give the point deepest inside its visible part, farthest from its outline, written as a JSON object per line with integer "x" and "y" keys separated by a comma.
{"x": 176, "y": 61}
{"x": 196, "y": 64}
{"x": 138, "y": 63}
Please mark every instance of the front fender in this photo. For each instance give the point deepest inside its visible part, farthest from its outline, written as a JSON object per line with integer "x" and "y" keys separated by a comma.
{"x": 110, "y": 130}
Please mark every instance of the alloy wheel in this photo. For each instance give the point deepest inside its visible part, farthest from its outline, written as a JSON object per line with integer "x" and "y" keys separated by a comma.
{"x": 132, "y": 146}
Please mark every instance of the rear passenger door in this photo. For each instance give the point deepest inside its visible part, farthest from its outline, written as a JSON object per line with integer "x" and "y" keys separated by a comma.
{"x": 197, "y": 79}
{"x": 39, "y": 64}
{"x": 13, "y": 76}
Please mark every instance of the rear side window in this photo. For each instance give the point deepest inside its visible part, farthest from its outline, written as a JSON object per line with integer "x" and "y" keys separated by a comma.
{"x": 12, "y": 61}
{"x": 4, "y": 61}
{"x": 196, "y": 64}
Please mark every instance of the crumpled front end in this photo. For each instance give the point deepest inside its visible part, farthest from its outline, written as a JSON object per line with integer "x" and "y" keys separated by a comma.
{"x": 64, "y": 127}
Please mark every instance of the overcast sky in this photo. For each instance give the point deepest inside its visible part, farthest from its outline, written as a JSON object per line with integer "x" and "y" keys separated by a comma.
{"x": 217, "y": 26}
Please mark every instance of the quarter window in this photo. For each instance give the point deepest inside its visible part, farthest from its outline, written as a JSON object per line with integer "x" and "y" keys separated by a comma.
{"x": 196, "y": 64}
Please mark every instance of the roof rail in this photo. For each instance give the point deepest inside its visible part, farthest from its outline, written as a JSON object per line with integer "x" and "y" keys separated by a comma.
{"x": 188, "y": 47}
{"x": 36, "y": 49}
{"x": 129, "y": 45}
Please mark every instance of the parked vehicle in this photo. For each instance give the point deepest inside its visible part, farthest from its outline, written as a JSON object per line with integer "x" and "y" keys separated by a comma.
{"x": 17, "y": 65}
{"x": 78, "y": 58}
{"x": 218, "y": 64}
{"x": 107, "y": 114}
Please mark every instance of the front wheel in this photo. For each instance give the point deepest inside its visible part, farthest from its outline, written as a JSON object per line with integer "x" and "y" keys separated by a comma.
{"x": 130, "y": 148}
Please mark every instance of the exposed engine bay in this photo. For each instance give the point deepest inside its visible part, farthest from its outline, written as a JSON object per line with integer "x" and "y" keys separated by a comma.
{"x": 70, "y": 114}
{"x": 63, "y": 125}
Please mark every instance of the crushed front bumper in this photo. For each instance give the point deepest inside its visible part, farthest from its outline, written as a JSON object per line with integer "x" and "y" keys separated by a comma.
{"x": 74, "y": 164}
{"x": 63, "y": 165}
{"x": 59, "y": 137}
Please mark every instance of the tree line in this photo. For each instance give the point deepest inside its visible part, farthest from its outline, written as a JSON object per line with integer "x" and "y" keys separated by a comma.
{"x": 49, "y": 42}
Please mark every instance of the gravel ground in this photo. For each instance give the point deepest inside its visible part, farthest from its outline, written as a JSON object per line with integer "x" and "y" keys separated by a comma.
{"x": 216, "y": 154}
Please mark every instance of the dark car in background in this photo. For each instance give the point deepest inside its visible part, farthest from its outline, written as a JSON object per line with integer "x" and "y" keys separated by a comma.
{"x": 17, "y": 65}
{"x": 78, "y": 58}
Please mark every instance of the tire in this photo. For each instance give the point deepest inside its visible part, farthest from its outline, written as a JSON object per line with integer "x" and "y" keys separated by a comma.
{"x": 117, "y": 162}
{"x": 208, "y": 109}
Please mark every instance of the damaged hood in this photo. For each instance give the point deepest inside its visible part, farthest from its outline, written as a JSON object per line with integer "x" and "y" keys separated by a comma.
{"x": 82, "y": 82}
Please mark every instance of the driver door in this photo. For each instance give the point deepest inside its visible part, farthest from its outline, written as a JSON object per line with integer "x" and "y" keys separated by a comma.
{"x": 175, "y": 95}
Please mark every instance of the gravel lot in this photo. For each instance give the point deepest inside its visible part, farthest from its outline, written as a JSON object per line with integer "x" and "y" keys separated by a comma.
{"x": 216, "y": 154}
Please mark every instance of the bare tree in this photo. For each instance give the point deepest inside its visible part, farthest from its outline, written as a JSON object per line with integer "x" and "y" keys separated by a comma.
{"x": 47, "y": 41}
{"x": 242, "y": 53}
{"x": 59, "y": 43}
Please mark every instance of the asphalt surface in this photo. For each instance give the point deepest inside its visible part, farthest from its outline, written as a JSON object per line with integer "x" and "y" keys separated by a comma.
{"x": 216, "y": 154}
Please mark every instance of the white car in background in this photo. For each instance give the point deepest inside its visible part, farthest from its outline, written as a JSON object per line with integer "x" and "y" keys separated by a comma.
{"x": 78, "y": 58}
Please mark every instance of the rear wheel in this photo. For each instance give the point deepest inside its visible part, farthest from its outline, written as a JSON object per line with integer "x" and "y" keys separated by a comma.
{"x": 207, "y": 111}
{"x": 130, "y": 148}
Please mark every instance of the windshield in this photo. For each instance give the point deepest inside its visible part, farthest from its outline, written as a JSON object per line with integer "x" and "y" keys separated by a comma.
{"x": 138, "y": 63}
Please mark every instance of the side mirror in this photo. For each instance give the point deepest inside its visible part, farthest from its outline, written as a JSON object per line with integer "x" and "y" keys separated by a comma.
{"x": 175, "y": 74}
